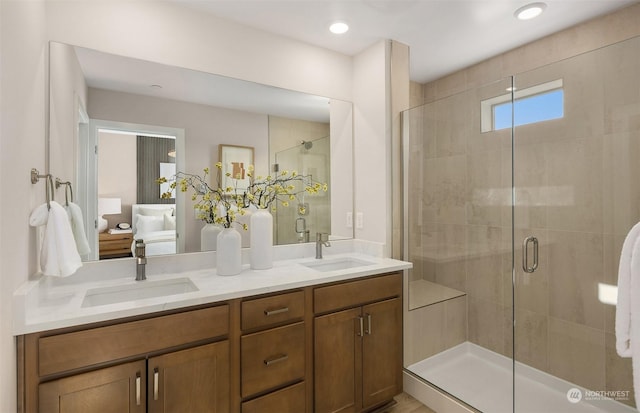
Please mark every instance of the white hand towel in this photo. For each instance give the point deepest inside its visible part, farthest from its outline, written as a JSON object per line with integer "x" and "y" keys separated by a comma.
{"x": 628, "y": 305}
{"x": 77, "y": 227}
{"x": 623, "y": 306}
{"x": 58, "y": 255}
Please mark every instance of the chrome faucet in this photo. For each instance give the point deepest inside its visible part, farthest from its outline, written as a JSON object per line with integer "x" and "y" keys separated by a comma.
{"x": 322, "y": 238}
{"x": 141, "y": 260}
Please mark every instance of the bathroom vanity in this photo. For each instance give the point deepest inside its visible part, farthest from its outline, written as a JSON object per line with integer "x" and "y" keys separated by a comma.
{"x": 290, "y": 339}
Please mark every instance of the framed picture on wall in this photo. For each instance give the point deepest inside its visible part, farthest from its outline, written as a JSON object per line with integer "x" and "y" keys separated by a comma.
{"x": 235, "y": 162}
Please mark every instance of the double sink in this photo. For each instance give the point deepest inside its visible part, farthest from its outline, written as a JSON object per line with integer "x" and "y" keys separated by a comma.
{"x": 162, "y": 288}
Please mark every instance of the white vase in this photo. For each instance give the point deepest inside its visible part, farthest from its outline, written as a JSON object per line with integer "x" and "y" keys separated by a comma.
{"x": 209, "y": 237}
{"x": 245, "y": 234}
{"x": 261, "y": 245}
{"x": 229, "y": 258}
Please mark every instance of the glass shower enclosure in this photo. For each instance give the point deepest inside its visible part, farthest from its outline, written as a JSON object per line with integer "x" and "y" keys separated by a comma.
{"x": 295, "y": 225}
{"x": 518, "y": 197}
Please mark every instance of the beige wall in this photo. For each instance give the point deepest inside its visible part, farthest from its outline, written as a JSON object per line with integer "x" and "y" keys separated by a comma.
{"x": 118, "y": 172}
{"x": 575, "y": 191}
{"x": 584, "y": 37}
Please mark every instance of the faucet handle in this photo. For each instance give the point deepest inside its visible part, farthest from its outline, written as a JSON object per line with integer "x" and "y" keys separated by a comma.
{"x": 322, "y": 237}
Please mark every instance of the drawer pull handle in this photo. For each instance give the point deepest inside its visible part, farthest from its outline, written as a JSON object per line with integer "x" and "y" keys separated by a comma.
{"x": 361, "y": 325}
{"x": 276, "y": 311}
{"x": 368, "y": 329}
{"x": 156, "y": 375}
{"x": 138, "y": 379}
{"x": 275, "y": 359}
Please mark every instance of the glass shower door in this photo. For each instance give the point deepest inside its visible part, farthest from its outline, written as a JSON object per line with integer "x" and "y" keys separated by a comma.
{"x": 576, "y": 190}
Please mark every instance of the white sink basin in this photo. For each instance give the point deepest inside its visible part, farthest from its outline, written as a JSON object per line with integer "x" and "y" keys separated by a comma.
{"x": 335, "y": 264}
{"x": 139, "y": 291}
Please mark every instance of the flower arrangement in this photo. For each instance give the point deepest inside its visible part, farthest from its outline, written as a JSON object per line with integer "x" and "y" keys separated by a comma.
{"x": 212, "y": 204}
{"x": 280, "y": 189}
{"x": 223, "y": 205}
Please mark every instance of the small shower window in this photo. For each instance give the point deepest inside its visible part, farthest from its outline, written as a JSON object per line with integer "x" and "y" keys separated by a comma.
{"x": 534, "y": 104}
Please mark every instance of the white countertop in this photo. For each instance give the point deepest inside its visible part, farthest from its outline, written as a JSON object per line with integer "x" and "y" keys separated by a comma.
{"x": 47, "y": 303}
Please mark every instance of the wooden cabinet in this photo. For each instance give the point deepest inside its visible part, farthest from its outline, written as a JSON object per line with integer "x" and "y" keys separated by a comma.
{"x": 358, "y": 350}
{"x": 192, "y": 380}
{"x": 273, "y": 354}
{"x": 327, "y": 348}
{"x": 115, "y": 245}
{"x": 170, "y": 363}
{"x": 118, "y": 389}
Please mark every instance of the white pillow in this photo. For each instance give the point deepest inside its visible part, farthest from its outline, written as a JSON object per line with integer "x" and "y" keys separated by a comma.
{"x": 169, "y": 222}
{"x": 155, "y": 212}
{"x": 146, "y": 224}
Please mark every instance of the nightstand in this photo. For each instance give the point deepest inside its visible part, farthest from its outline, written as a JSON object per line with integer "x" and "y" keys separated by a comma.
{"x": 115, "y": 245}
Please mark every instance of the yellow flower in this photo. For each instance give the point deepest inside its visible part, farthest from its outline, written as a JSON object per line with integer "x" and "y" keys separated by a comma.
{"x": 161, "y": 180}
{"x": 250, "y": 168}
{"x": 228, "y": 174}
{"x": 219, "y": 165}
{"x": 285, "y": 203}
{"x": 206, "y": 171}
{"x": 292, "y": 197}
{"x": 302, "y": 210}
{"x": 245, "y": 227}
{"x": 325, "y": 187}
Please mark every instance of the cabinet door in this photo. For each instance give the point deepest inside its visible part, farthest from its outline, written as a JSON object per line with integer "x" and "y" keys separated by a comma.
{"x": 192, "y": 380}
{"x": 110, "y": 390}
{"x": 337, "y": 362}
{"x": 381, "y": 352}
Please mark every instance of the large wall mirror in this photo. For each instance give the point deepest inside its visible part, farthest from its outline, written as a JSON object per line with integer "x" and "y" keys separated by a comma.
{"x": 118, "y": 123}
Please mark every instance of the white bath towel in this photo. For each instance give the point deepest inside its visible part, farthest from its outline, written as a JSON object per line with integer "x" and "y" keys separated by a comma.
{"x": 628, "y": 304}
{"x": 77, "y": 227}
{"x": 58, "y": 254}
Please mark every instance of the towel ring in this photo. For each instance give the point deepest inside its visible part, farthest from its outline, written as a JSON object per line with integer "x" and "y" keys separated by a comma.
{"x": 35, "y": 178}
{"x": 68, "y": 190}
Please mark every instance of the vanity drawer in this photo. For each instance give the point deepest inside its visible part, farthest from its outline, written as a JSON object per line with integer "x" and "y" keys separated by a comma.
{"x": 277, "y": 309}
{"x": 354, "y": 293}
{"x": 105, "y": 344}
{"x": 288, "y": 400}
{"x": 272, "y": 358}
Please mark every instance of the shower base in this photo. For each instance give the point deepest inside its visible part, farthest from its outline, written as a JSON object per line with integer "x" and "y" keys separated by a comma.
{"x": 483, "y": 379}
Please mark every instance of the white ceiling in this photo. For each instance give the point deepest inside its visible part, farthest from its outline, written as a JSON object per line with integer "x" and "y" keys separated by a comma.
{"x": 443, "y": 35}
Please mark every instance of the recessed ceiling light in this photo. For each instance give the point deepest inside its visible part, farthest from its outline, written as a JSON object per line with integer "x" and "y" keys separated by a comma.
{"x": 530, "y": 11}
{"x": 339, "y": 28}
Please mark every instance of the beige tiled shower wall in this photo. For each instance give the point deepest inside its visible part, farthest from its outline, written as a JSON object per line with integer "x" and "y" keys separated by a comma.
{"x": 286, "y": 135}
{"x": 577, "y": 191}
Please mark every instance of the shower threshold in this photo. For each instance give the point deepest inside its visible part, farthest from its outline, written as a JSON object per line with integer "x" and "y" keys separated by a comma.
{"x": 483, "y": 379}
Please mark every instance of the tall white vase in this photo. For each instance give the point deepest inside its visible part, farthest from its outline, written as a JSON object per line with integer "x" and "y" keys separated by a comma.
{"x": 229, "y": 252}
{"x": 209, "y": 237}
{"x": 261, "y": 245}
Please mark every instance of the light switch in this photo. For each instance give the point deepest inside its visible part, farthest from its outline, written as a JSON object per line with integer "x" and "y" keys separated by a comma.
{"x": 359, "y": 220}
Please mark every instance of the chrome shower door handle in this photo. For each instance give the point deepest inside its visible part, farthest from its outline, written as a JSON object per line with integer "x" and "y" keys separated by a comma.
{"x": 525, "y": 254}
